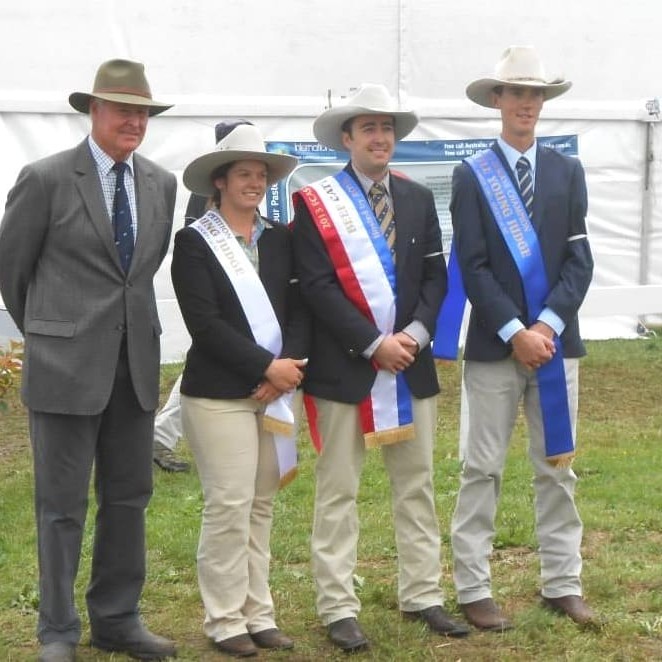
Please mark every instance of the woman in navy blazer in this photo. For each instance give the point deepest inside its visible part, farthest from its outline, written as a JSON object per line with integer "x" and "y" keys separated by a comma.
{"x": 230, "y": 378}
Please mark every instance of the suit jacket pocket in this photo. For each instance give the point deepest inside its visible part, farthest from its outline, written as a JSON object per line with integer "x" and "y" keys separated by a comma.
{"x": 61, "y": 328}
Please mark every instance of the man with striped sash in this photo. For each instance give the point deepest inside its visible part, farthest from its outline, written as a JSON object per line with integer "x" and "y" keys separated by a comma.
{"x": 369, "y": 256}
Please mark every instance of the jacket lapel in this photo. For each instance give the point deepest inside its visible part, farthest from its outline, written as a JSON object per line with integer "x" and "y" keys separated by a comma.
{"x": 404, "y": 217}
{"x": 541, "y": 186}
{"x": 145, "y": 194}
{"x": 89, "y": 187}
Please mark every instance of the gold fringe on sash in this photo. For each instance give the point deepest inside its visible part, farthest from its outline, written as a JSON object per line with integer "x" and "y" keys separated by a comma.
{"x": 276, "y": 426}
{"x": 287, "y": 478}
{"x": 562, "y": 460}
{"x": 391, "y": 436}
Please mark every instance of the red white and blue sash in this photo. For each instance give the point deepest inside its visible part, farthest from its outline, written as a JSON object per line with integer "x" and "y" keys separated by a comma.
{"x": 366, "y": 272}
{"x": 520, "y": 236}
{"x": 278, "y": 417}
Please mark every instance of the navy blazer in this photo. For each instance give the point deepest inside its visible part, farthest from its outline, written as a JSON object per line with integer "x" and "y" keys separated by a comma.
{"x": 336, "y": 370}
{"x": 491, "y": 279}
{"x": 224, "y": 361}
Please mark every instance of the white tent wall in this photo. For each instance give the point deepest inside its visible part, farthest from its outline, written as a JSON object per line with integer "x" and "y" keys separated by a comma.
{"x": 274, "y": 63}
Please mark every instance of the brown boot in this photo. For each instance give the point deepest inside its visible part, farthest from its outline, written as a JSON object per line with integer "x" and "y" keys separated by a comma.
{"x": 272, "y": 638}
{"x": 574, "y": 607}
{"x": 485, "y": 615}
{"x": 240, "y": 646}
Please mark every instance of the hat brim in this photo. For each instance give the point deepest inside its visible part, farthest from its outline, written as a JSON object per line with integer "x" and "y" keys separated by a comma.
{"x": 80, "y": 101}
{"x": 327, "y": 128}
{"x": 197, "y": 174}
{"x": 480, "y": 91}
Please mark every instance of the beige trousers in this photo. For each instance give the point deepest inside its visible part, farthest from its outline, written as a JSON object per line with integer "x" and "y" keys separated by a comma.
{"x": 336, "y": 525}
{"x": 238, "y": 469}
{"x": 494, "y": 391}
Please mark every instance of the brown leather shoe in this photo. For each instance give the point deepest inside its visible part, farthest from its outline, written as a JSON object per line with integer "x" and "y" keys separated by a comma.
{"x": 347, "y": 635}
{"x": 240, "y": 646}
{"x": 438, "y": 620}
{"x": 272, "y": 638}
{"x": 485, "y": 615}
{"x": 574, "y": 607}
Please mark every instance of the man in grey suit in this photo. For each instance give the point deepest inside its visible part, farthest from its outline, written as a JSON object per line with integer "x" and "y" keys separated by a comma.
{"x": 83, "y": 234}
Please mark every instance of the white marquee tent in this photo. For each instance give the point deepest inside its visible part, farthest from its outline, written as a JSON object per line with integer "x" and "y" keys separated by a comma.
{"x": 279, "y": 64}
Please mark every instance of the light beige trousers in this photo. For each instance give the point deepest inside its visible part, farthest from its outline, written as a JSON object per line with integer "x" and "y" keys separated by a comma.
{"x": 494, "y": 391}
{"x": 238, "y": 470}
{"x": 336, "y": 526}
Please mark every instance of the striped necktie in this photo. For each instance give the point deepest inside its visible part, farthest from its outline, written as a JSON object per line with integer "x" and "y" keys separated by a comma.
{"x": 525, "y": 180}
{"x": 122, "y": 225}
{"x": 383, "y": 212}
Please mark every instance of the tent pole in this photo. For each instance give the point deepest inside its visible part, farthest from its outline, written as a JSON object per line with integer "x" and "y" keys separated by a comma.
{"x": 646, "y": 207}
{"x": 653, "y": 108}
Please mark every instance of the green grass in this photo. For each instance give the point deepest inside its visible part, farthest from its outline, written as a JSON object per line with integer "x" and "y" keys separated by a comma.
{"x": 619, "y": 496}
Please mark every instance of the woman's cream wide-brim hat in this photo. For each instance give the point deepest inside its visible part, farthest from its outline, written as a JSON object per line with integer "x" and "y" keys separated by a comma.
{"x": 243, "y": 143}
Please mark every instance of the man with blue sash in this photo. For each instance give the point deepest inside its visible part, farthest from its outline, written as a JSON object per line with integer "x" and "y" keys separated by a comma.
{"x": 370, "y": 263}
{"x": 518, "y": 212}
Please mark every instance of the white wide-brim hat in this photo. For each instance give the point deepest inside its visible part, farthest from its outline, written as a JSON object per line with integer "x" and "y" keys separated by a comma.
{"x": 243, "y": 143}
{"x": 370, "y": 99}
{"x": 520, "y": 66}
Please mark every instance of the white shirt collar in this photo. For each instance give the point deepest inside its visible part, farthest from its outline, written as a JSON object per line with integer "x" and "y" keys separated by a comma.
{"x": 512, "y": 155}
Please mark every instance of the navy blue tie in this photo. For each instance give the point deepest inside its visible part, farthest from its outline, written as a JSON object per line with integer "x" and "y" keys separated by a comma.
{"x": 122, "y": 226}
{"x": 525, "y": 180}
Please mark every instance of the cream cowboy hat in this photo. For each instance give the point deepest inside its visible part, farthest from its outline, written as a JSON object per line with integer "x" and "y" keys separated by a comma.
{"x": 121, "y": 81}
{"x": 370, "y": 99}
{"x": 244, "y": 142}
{"x": 519, "y": 65}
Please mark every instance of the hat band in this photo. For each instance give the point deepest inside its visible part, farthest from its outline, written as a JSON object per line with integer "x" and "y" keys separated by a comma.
{"x": 123, "y": 90}
{"x": 525, "y": 79}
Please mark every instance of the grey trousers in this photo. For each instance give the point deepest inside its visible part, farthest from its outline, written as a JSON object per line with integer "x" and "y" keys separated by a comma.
{"x": 118, "y": 441}
{"x": 494, "y": 391}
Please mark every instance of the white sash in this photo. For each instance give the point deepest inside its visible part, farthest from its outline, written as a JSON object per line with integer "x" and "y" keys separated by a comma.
{"x": 278, "y": 416}
{"x": 366, "y": 272}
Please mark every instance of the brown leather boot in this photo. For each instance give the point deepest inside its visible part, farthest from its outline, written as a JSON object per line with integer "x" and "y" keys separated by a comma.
{"x": 485, "y": 615}
{"x": 574, "y": 607}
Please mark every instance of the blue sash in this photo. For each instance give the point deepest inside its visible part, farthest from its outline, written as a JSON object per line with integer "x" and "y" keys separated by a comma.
{"x": 520, "y": 236}
{"x": 449, "y": 319}
{"x": 371, "y": 224}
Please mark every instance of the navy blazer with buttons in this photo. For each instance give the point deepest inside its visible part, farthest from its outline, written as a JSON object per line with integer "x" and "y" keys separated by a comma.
{"x": 337, "y": 371}
{"x": 491, "y": 280}
{"x": 224, "y": 361}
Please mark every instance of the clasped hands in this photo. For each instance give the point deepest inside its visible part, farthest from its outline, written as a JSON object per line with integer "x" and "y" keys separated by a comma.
{"x": 396, "y": 352}
{"x": 282, "y": 376}
{"x": 534, "y": 346}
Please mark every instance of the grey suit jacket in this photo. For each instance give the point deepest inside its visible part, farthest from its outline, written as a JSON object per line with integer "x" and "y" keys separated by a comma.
{"x": 63, "y": 284}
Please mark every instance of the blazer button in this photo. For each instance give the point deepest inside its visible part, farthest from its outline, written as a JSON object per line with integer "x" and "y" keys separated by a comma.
{"x": 121, "y": 327}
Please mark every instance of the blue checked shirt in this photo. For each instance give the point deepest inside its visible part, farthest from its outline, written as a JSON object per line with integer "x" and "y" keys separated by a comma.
{"x": 108, "y": 178}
